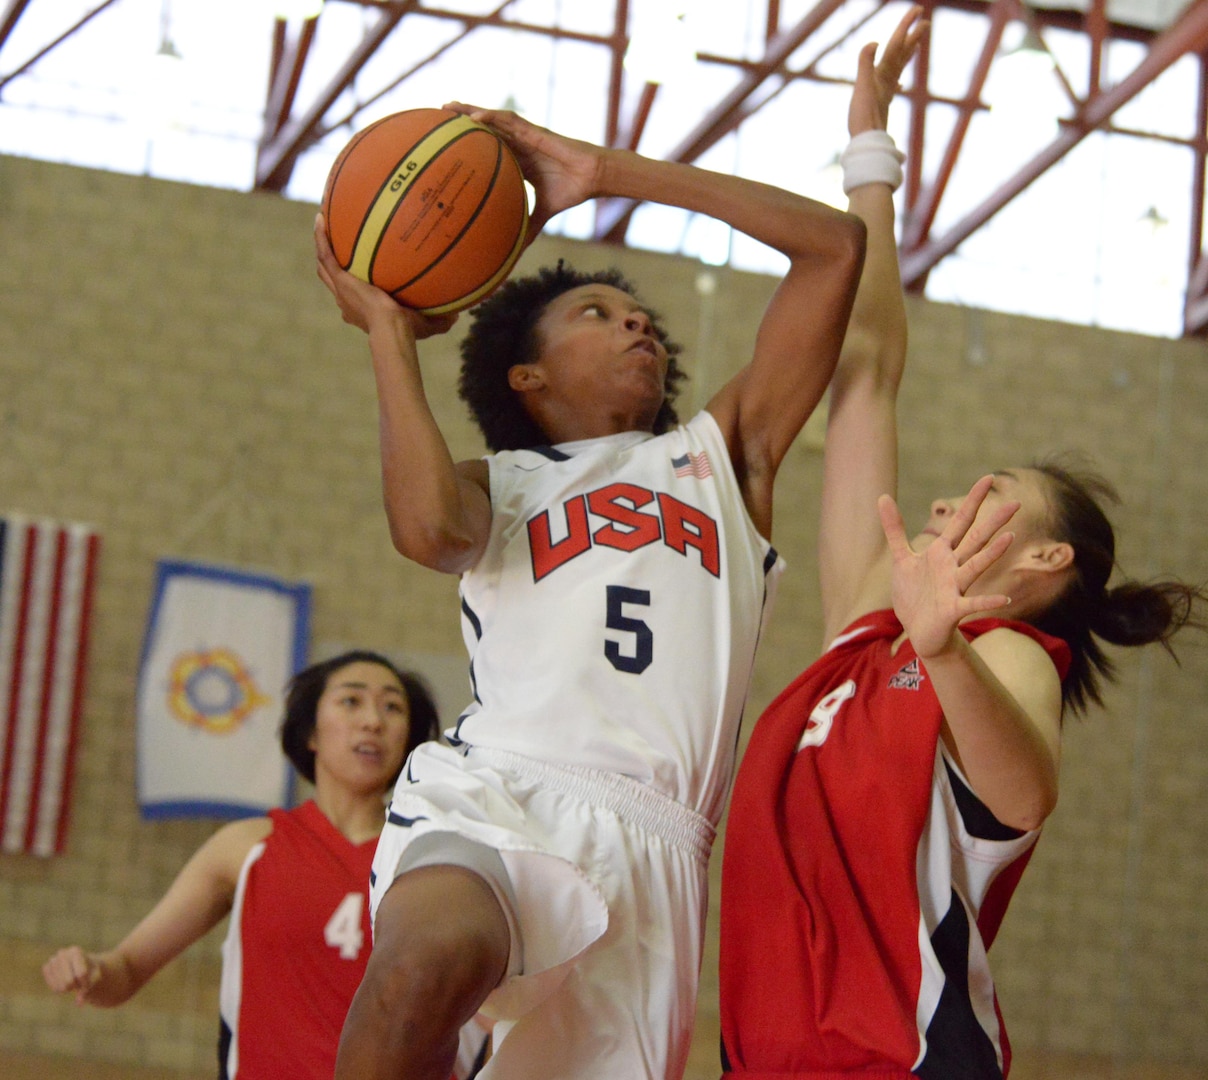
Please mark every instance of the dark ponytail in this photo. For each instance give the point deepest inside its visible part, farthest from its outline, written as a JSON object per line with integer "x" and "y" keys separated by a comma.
{"x": 1132, "y": 613}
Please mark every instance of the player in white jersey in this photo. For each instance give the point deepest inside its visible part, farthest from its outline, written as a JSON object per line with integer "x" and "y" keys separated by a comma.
{"x": 659, "y": 578}
{"x": 615, "y": 573}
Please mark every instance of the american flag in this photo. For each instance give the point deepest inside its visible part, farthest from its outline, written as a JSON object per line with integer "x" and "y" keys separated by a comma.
{"x": 47, "y": 578}
{"x": 693, "y": 465}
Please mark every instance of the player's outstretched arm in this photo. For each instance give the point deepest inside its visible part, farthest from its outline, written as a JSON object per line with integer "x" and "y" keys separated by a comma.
{"x": 762, "y": 411}
{"x": 439, "y": 511}
{"x": 1000, "y": 694}
{"x": 194, "y": 903}
{"x": 861, "y": 452}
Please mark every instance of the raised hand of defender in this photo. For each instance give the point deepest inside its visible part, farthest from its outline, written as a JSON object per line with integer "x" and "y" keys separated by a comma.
{"x": 563, "y": 171}
{"x": 878, "y": 82}
{"x": 929, "y": 586}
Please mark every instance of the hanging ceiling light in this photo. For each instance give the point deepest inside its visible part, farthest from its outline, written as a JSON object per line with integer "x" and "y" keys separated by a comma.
{"x": 1022, "y": 90}
{"x": 1023, "y": 66}
{"x": 163, "y": 91}
{"x": 1152, "y": 220}
{"x": 167, "y": 47}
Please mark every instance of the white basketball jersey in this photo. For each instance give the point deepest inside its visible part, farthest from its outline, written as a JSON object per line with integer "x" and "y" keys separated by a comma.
{"x": 613, "y": 618}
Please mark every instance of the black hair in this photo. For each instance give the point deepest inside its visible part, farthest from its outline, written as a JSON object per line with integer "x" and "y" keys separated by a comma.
{"x": 307, "y": 686}
{"x": 1131, "y": 613}
{"x": 504, "y": 333}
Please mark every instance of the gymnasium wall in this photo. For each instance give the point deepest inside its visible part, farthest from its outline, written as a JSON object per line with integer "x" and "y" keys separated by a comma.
{"x": 172, "y": 371}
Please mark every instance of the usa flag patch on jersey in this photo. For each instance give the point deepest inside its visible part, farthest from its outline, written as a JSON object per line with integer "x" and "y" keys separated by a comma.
{"x": 693, "y": 465}
{"x": 909, "y": 677}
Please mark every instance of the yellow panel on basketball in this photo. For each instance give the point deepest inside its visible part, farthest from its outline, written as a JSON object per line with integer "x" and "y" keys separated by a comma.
{"x": 429, "y": 206}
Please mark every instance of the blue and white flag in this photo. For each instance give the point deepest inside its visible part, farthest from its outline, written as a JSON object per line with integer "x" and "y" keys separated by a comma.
{"x": 47, "y": 581}
{"x": 220, "y": 647}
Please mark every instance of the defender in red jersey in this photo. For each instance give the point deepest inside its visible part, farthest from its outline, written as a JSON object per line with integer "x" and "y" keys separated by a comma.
{"x": 295, "y": 883}
{"x": 890, "y": 798}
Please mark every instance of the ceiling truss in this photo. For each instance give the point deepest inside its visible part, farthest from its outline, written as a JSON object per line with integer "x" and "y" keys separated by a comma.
{"x": 290, "y": 128}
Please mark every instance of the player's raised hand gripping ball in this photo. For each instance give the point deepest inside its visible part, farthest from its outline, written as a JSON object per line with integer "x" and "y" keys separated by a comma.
{"x": 429, "y": 206}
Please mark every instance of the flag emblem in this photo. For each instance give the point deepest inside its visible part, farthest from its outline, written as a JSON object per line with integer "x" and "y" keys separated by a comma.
{"x": 47, "y": 579}
{"x": 220, "y": 648}
{"x": 213, "y": 689}
{"x": 693, "y": 465}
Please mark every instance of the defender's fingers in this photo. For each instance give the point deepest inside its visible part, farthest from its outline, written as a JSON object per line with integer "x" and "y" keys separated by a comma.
{"x": 893, "y": 526}
{"x": 983, "y": 529}
{"x": 906, "y": 30}
{"x": 970, "y": 569}
{"x": 957, "y": 525}
{"x": 979, "y": 605}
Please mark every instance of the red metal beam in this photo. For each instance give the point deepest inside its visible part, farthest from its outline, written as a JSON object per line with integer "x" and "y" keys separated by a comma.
{"x": 1188, "y": 34}
{"x": 1028, "y": 16}
{"x": 923, "y": 215}
{"x": 720, "y": 121}
{"x": 637, "y": 124}
{"x": 616, "y": 71}
{"x": 349, "y": 117}
{"x": 810, "y": 71}
{"x": 1096, "y": 33}
{"x": 613, "y": 216}
{"x": 276, "y": 159}
{"x": 276, "y": 53}
{"x": 1195, "y": 306}
{"x": 1071, "y": 19}
{"x": 10, "y": 20}
{"x": 288, "y": 61}
{"x": 771, "y": 23}
{"x": 15, "y": 8}
{"x": 315, "y": 129}
{"x": 917, "y": 130}
{"x": 473, "y": 22}
{"x": 628, "y": 135}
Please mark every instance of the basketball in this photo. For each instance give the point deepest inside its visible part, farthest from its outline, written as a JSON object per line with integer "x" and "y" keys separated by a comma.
{"x": 429, "y": 206}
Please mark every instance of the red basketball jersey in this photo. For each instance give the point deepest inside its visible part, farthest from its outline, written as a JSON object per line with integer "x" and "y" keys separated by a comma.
{"x": 296, "y": 949}
{"x": 862, "y": 880}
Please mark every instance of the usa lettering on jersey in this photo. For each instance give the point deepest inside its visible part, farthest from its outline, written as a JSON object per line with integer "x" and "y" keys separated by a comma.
{"x": 631, "y": 517}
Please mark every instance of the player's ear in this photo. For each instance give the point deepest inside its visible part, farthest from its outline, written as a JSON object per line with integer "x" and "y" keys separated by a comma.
{"x": 524, "y": 378}
{"x": 1052, "y": 555}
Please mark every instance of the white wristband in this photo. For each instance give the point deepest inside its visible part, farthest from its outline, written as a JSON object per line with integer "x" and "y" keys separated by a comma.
{"x": 871, "y": 158}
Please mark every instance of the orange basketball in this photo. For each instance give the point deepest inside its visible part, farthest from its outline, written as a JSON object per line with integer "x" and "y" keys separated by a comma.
{"x": 429, "y": 206}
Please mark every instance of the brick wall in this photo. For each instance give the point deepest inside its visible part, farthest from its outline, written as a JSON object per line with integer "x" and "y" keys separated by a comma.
{"x": 172, "y": 371}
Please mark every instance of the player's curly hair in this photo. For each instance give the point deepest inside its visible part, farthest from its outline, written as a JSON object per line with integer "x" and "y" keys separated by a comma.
{"x": 302, "y": 704}
{"x": 504, "y": 333}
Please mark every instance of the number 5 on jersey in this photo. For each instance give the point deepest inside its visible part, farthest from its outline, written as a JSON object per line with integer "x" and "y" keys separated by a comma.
{"x": 638, "y": 654}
